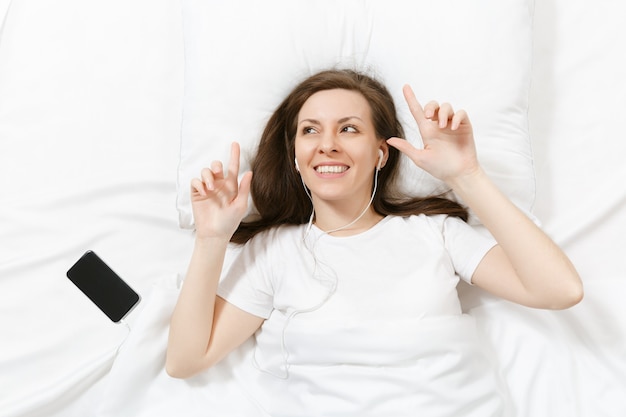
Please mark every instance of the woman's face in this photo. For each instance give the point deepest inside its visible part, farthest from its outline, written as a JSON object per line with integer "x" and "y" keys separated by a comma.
{"x": 336, "y": 146}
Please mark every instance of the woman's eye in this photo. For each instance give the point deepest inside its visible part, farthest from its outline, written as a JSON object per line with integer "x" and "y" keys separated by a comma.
{"x": 309, "y": 130}
{"x": 349, "y": 129}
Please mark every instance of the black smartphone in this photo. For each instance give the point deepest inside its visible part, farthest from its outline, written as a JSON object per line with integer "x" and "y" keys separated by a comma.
{"x": 103, "y": 286}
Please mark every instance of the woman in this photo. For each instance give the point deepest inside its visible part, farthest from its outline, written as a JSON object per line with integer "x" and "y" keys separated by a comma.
{"x": 349, "y": 287}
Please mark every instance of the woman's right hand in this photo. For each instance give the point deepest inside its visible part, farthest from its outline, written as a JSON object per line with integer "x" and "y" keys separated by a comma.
{"x": 218, "y": 201}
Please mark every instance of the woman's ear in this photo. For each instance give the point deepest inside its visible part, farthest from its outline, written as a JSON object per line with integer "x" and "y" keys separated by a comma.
{"x": 383, "y": 154}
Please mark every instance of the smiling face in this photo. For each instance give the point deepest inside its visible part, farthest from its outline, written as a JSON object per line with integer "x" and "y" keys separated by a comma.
{"x": 336, "y": 147}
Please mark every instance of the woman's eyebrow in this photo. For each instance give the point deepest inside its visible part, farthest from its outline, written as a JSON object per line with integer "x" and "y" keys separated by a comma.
{"x": 311, "y": 121}
{"x": 342, "y": 120}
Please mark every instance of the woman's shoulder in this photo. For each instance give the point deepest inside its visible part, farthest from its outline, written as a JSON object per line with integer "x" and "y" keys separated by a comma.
{"x": 268, "y": 244}
{"x": 422, "y": 219}
{"x": 279, "y": 233}
{"x": 438, "y": 224}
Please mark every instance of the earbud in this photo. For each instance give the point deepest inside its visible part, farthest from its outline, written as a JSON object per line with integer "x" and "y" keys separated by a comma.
{"x": 295, "y": 160}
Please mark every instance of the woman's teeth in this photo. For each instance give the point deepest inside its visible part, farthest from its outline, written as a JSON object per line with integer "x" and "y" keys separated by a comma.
{"x": 331, "y": 169}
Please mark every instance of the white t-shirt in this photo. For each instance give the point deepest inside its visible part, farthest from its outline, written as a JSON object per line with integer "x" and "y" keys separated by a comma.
{"x": 364, "y": 325}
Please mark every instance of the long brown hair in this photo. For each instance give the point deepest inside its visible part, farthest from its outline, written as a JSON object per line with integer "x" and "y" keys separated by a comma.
{"x": 277, "y": 191}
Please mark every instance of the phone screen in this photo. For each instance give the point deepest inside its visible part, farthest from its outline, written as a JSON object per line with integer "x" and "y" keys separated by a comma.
{"x": 103, "y": 286}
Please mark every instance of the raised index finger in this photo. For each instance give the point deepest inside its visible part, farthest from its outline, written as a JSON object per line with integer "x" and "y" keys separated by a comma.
{"x": 414, "y": 106}
{"x": 233, "y": 164}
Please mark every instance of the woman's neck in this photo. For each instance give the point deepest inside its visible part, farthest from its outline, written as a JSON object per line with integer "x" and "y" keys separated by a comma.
{"x": 345, "y": 221}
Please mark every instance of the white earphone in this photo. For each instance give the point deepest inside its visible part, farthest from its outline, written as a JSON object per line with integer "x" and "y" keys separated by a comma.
{"x": 296, "y": 162}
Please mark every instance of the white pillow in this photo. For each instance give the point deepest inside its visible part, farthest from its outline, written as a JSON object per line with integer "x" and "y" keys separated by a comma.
{"x": 243, "y": 57}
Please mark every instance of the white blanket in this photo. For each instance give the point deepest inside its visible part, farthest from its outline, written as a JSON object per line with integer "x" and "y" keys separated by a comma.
{"x": 139, "y": 386}
{"x": 448, "y": 349}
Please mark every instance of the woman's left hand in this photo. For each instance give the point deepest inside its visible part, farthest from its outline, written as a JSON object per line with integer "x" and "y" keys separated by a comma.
{"x": 449, "y": 151}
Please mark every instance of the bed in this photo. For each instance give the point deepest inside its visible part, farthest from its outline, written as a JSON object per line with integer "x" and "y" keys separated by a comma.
{"x": 107, "y": 109}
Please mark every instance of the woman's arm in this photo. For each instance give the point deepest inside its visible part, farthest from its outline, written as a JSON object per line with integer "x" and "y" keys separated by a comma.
{"x": 526, "y": 266}
{"x": 204, "y": 328}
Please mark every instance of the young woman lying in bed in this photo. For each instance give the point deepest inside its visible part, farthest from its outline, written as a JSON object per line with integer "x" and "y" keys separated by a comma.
{"x": 348, "y": 287}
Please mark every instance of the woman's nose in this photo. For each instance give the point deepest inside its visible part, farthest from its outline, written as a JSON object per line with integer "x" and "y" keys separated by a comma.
{"x": 328, "y": 143}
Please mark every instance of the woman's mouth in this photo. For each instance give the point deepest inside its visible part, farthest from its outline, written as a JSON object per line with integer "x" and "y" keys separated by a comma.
{"x": 331, "y": 169}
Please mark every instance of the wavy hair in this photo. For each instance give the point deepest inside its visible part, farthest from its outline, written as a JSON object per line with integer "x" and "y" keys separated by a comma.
{"x": 277, "y": 190}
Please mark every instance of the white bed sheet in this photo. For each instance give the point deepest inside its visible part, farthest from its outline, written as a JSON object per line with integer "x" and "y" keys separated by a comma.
{"x": 90, "y": 113}
{"x": 90, "y": 109}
